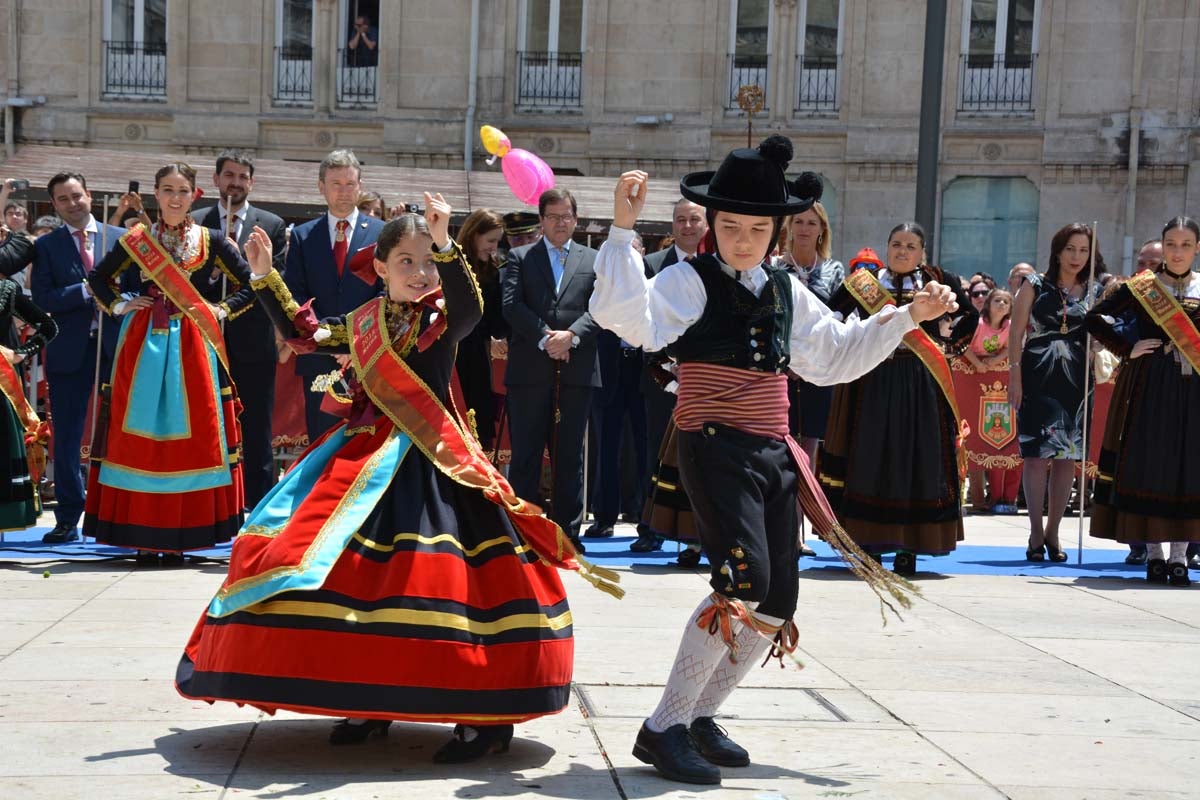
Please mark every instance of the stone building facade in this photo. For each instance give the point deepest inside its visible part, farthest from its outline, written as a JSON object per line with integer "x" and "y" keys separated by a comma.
{"x": 1041, "y": 99}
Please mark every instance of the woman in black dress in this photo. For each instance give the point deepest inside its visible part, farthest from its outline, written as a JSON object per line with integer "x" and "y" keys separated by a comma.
{"x": 1046, "y": 353}
{"x": 480, "y": 236}
{"x": 889, "y": 464}
{"x": 1149, "y": 488}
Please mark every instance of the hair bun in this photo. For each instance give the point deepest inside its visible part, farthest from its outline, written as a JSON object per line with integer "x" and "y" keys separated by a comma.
{"x": 809, "y": 186}
{"x": 776, "y": 148}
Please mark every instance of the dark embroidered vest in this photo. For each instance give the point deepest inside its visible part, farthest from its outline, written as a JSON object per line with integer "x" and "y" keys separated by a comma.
{"x": 738, "y": 329}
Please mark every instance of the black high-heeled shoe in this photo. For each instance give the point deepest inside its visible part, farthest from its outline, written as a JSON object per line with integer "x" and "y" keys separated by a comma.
{"x": 347, "y": 732}
{"x": 1036, "y": 555}
{"x": 905, "y": 563}
{"x": 1177, "y": 574}
{"x": 1057, "y": 555}
{"x": 471, "y": 742}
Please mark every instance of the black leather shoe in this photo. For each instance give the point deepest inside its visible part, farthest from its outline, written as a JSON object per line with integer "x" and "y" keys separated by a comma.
{"x": 805, "y": 550}
{"x": 715, "y": 745}
{"x": 1136, "y": 559}
{"x": 61, "y": 535}
{"x": 598, "y": 531}
{"x": 1177, "y": 574}
{"x": 674, "y": 755}
{"x": 630, "y": 517}
{"x": 347, "y": 732}
{"x": 146, "y": 558}
{"x": 688, "y": 558}
{"x": 904, "y": 564}
{"x": 471, "y": 742}
{"x": 646, "y": 543}
{"x": 1194, "y": 562}
{"x": 579, "y": 548}
{"x": 1156, "y": 571}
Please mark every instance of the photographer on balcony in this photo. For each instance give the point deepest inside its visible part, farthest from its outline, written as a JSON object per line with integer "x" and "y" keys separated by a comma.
{"x": 363, "y": 48}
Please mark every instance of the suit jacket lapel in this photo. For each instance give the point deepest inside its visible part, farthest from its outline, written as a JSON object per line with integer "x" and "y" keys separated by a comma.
{"x": 247, "y": 225}
{"x": 539, "y": 257}
{"x": 574, "y": 259}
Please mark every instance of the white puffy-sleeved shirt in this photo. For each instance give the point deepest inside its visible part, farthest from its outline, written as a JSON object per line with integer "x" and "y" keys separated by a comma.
{"x": 653, "y": 313}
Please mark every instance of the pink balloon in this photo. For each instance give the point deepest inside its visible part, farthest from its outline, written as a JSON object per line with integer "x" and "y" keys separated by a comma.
{"x": 527, "y": 175}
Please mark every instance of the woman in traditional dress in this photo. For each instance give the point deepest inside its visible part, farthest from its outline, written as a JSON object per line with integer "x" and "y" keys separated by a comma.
{"x": 1046, "y": 376}
{"x": 166, "y": 466}
{"x": 890, "y": 460}
{"x": 991, "y": 447}
{"x": 19, "y": 501}
{"x": 1149, "y": 487}
{"x": 808, "y": 257}
{"x": 479, "y": 238}
{"x": 392, "y": 574}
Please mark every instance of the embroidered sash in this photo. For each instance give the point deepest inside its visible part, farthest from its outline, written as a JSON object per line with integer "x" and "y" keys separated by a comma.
{"x": 866, "y": 289}
{"x": 1167, "y": 314}
{"x": 37, "y": 433}
{"x": 412, "y": 406}
{"x": 154, "y": 260}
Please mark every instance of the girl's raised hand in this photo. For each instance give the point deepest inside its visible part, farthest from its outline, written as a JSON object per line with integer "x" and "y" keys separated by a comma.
{"x": 437, "y": 217}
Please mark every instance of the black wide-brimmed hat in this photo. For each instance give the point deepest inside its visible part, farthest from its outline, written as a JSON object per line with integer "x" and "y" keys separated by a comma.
{"x": 749, "y": 182}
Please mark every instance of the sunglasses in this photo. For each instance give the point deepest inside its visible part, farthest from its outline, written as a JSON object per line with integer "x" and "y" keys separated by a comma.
{"x": 984, "y": 293}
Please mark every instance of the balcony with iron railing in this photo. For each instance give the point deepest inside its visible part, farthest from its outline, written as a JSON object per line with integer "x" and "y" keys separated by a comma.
{"x": 549, "y": 80}
{"x": 135, "y": 70}
{"x": 996, "y": 84}
{"x": 357, "y": 80}
{"x": 293, "y": 76}
{"x": 746, "y": 70}
{"x": 817, "y": 84}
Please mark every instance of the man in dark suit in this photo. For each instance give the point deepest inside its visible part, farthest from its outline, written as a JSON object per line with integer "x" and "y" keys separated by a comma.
{"x": 689, "y": 226}
{"x": 318, "y": 268}
{"x": 249, "y": 334}
{"x": 552, "y": 366}
{"x": 62, "y": 260}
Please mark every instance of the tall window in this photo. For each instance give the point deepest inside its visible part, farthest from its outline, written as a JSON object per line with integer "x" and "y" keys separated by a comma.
{"x": 550, "y": 54}
{"x": 818, "y": 54}
{"x": 294, "y": 52}
{"x": 358, "y": 57}
{"x": 988, "y": 224}
{"x": 998, "y": 53}
{"x": 749, "y": 47}
{"x": 135, "y": 49}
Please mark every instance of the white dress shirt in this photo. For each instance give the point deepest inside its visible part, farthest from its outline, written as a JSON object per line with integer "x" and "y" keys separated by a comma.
{"x": 653, "y": 313}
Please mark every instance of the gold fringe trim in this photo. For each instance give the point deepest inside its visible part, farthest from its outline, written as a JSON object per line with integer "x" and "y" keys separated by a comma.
{"x": 881, "y": 581}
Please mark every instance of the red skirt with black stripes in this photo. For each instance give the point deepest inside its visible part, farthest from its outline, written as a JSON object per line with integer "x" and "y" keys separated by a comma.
{"x": 432, "y": 608}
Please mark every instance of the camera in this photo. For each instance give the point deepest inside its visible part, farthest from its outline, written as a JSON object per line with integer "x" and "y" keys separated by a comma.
{"x": 133, "y": 187}
{"x": 412, "y": 208}
{"x": 19, "y": 185}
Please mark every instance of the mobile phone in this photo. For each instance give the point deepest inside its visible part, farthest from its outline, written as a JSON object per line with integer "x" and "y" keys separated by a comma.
{"x": 19, "y": 185}
{"x": 133, "y": 187}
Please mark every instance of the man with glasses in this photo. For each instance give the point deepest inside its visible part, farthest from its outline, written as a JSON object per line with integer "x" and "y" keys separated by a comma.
{"x": 552, "y": 364}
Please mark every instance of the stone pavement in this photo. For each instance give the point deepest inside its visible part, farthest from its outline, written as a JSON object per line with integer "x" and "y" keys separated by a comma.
{"x": 1022, "y": 687}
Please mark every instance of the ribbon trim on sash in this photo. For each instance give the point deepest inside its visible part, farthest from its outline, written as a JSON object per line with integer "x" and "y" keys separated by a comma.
{"x": 412, "y": 406}
{"x": 154, "y": 260}
{"x": 1168, "y": 314}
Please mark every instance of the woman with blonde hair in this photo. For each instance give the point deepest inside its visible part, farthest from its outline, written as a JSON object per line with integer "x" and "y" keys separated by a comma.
{"x": 807, "y": 255}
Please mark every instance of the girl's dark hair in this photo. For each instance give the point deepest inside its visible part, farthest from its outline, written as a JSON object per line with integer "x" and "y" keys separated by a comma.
{"x": 479, "y": 222}
{"x": 1187, "y": 223}
{"x": 910, "y": 227}
{"x": 711, "y": 216}
{"x": 1059, "y": 243}
{"x": 185, "y": 171}
{"x": 397, "y": 228}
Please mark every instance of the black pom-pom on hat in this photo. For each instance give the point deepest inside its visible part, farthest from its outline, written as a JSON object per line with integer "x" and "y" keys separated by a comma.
{"x": 749, "y": 181}
{"x": 778, "y": 149}
{"x": 809, "y": 186}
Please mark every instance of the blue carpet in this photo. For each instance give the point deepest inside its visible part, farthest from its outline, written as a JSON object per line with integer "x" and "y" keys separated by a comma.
{"x": 966, "y": 560}
{"x": 27, "y": 545}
